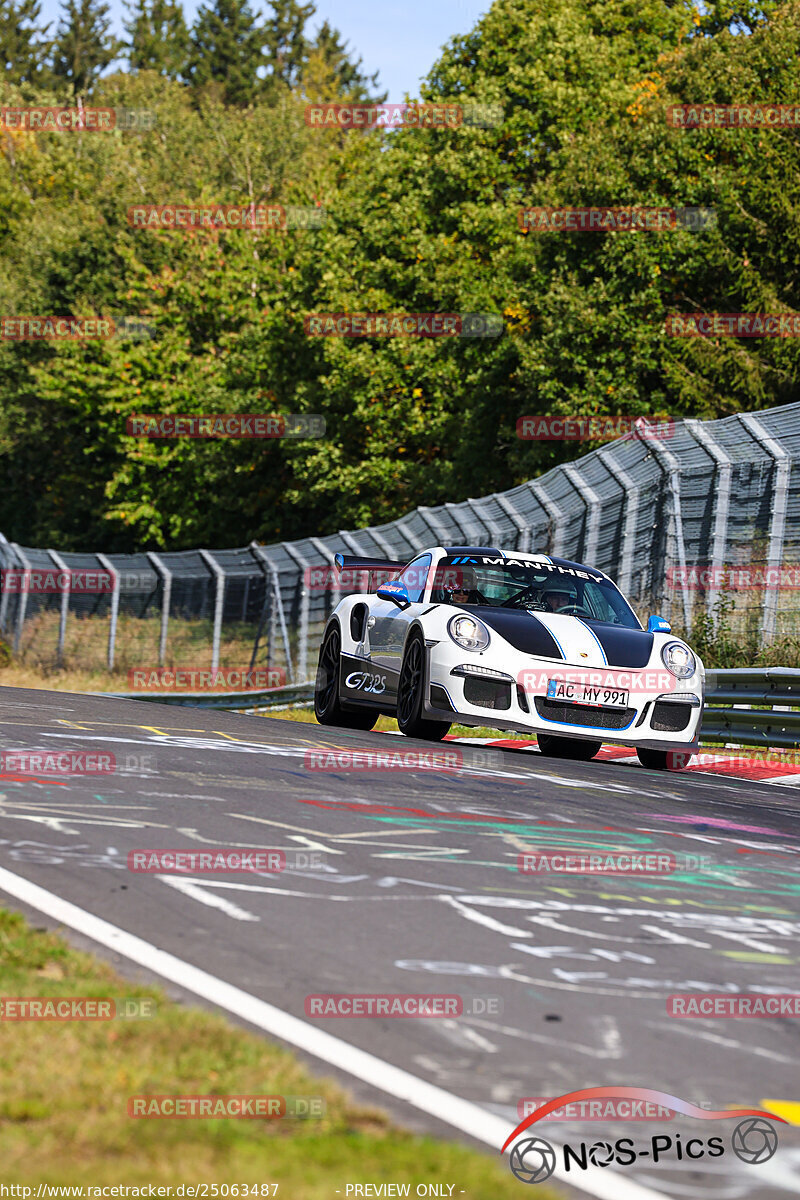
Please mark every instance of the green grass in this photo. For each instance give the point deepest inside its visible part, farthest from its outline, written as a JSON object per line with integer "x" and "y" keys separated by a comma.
{"x": 64, "y": 1088}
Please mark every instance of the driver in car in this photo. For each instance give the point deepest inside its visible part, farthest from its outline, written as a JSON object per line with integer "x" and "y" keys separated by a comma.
{"x": 556, "y": 599}
{"x": 466, "y": 589}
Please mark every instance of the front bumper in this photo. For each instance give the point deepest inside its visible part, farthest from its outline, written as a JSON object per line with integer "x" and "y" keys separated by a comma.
{"x": 651, "y": 720}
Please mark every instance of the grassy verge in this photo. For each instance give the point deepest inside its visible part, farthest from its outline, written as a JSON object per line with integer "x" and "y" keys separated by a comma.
{"x": 64, "y": 1089}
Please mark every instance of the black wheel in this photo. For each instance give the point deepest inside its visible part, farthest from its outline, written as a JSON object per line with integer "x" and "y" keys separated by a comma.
{"x": 410, "y": 692}
{"x": 327, "y": 706}
{"x": 663, "y": 760}
{"x": 561, "y": 747}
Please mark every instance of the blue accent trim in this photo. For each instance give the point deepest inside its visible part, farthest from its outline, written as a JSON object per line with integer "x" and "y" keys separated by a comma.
{"x": 596, "y": 638}
{"x": 339, "y": 560}
{"x": 553, "y": 636}
{"x": 576, "y": 725}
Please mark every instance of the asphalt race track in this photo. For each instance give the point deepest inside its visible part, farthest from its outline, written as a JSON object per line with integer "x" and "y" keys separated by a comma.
{"x": 563, "y": 980}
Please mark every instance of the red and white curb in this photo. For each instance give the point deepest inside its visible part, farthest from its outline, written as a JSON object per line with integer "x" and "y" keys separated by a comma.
{"x": 732, "y": 765}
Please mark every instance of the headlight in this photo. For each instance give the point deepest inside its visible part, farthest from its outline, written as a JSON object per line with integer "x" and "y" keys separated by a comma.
{"x": 679, "y": 660}
{"x": 468, "y": 632}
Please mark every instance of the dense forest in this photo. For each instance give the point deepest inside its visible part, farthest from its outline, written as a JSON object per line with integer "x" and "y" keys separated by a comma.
{"x": 411, "y": 220}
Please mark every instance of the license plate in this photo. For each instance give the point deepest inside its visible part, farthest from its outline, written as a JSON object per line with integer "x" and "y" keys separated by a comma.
{"x": 584, "y": 693}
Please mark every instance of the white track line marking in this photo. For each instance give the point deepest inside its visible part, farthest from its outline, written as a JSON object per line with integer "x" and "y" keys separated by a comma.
{"x": 463, "y": 1115}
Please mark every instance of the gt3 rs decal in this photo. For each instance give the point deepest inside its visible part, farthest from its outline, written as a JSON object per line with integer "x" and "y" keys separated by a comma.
{"x": 368, "y": 683}
{"x": 365, "y": 681}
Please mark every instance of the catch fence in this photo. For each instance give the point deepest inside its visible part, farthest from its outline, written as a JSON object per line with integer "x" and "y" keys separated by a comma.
{"x": 711, "y": 512}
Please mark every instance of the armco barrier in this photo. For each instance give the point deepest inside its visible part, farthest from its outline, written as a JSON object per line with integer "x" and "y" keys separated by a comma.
{"x": 752, "y": 707}
{"x": 295, "y": 693}
{"x": 755, "y": 724}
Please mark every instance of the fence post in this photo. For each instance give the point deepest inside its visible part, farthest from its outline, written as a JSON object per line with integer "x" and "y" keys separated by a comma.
{"x": 523, "y": 526}
{"x": 112, "y": 632}
{"x": 554, "y": 514}
{"x": 219, "y": 600}
{"x": 777, "y": 523}
{"x": 263, "y": 557}
{"x": 723, "y": 468}
{"x": 166, "y": 596}
{"x": 65, "y": 593}
{"x": 8, "y": 557}
{"x": 630, "y": 492}
{"x": 592, "y": 505}
{"x": 495, "y": 532}
{"x": 328, "y": 556}
{"x": 302, "y": 647}
{"x": 671, "y": 468}
{"x": 23, "y": 599}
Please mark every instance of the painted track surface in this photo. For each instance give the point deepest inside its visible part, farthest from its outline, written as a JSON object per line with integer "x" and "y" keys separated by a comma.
{"x": 430, "y": 901}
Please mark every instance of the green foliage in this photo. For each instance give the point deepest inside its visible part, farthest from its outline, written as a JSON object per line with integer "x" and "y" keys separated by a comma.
{"x": 23, "y": 44}
{"x": 83, "y": 46}
{"x": 159, "y": 40}
{"x": 419, "y": 220}
{"x": 226, "y": 49}
{"x": 349, "y": 81}
{"x": 286, "y": 44}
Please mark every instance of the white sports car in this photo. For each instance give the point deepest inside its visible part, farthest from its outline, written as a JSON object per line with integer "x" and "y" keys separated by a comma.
{"x": 516, "y": 641}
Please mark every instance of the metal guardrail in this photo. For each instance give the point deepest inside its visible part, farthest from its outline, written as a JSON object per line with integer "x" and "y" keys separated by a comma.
{"x": 295, "y": 693}
{"x": 739, "y": 704}
{"x": 754, "y": 721}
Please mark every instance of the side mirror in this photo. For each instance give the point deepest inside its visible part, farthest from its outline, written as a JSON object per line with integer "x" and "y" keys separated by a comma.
{"x": 395, "y": 591}
{"x": 658, "y": 625}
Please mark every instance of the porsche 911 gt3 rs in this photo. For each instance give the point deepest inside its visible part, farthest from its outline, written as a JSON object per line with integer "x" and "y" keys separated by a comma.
{"x": 518, "y": 641}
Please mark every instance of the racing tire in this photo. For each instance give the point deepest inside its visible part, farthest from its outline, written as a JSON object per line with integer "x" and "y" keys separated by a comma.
{"x": 327, "y": 705}
{"x": 410, "y": 693}
{"x": 561, "y": 747}
{"x": 663, "y": 760}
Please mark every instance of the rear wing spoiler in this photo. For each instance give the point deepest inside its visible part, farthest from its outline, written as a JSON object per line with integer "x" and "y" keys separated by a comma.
{"x": 353, "y": 562}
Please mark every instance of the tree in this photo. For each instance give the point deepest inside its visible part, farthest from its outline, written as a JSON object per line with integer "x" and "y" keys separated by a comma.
{"x": 159, "y": 39}
{"x": 226, "y": 48}
{"x": 22, "y": 50}
{"x": 83, "y": 46}
{"x": 347, "y": 79}
{"x": 285, "y": 41}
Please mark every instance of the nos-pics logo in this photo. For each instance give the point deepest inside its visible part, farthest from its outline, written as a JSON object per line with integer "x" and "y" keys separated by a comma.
{"x": 532, "y": 1160}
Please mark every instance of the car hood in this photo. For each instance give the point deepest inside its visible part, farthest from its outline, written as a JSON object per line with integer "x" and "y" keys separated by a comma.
{"x": 568, "y": 639}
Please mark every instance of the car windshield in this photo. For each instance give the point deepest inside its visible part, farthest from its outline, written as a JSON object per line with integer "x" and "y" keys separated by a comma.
{"x": 535, "y": 586}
